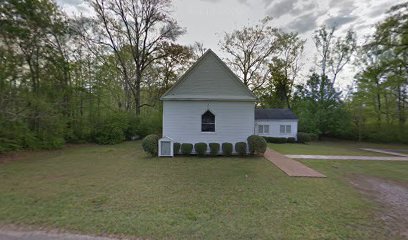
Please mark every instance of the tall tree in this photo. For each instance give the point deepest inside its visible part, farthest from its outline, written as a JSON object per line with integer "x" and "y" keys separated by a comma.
{"x": 250, "y": 49}
{"x": 319, "y": 107}
{"x": 33, "y": 37}
{"x": 143, "y": 27}
{"x": 284, "y": 69}
{"x": 334, "y": 53}
{"x": 384, "y": 69}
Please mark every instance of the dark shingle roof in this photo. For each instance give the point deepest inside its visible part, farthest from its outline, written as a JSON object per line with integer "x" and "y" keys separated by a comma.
{"x": 274, "y": 113}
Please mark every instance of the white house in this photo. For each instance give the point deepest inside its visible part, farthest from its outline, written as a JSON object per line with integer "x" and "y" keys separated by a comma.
{"x": 276, "y": 123}
{"x": 209, "y": 103}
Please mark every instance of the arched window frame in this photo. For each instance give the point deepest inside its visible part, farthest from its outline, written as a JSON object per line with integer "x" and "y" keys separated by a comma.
{"x": 208, "y": 122}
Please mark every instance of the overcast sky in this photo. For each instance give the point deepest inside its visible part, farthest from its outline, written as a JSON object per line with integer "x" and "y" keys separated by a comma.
{"x": 207, "y": 20}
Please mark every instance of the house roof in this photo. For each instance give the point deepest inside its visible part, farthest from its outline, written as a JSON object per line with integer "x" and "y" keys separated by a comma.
{"x": 274, "y": 113}
{"x": 209, "y": 78}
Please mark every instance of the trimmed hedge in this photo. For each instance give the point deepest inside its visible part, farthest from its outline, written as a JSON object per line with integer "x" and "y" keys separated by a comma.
{"x": 186, "y": 148}
{"x": 256, "y": 144}
{"x": 227, "y": 149}
{"x": 214, "y": 149}
{"x": 150, "y": 144}
{"x": 241, "y": 148}
{"x": 176, "y": 148}
{"x": 200, "y": 148}
{"x": 291, "y": 140}
{"x": 276, "y": 139}
{"x": 303, "y": 137}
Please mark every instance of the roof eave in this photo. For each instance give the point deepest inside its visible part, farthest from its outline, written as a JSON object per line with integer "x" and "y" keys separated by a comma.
{"x": 276, "y": 118}
{"x": 209, "y": 99}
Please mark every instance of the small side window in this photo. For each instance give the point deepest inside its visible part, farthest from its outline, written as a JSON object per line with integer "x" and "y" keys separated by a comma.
{"x": 282, "y": 129}
{"x": 266, "y": 128}
{"x": 288, "y": 128}
{"x": 260, "y": 128}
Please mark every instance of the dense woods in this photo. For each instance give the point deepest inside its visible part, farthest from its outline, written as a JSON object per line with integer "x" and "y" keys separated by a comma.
{"x": 99, "y": 78}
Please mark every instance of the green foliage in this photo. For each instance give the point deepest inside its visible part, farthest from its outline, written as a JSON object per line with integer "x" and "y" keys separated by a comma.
{"x": 291, "y": 140}
{"x": 303, "y": 137}
{"x": 150, "y": 144}
{"x": 283, "y": 69}
{"x": 7, "y": 145}
{"x": 176, "y": 148}
{"x": 147, "y": 123}
{"x": 227, "y": 149}
{"x": 15, "y": 136}
{"x": 241, "y": 148}
{"x": 313, "y": 137}
{"x": 111, "y": 129}
{"x": 256, "y": 144}
{"x": 276, "y": 139}
{"x": 200, "y": 148}
{"x": 186, "y": 148}
{"x": 390, "y": 134}
{"x": 319, "y": 107}
{"x": 214, "y": 149}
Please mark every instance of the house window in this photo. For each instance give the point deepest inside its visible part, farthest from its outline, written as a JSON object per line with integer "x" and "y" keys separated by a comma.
{"x": 208, "y": 122}
{"x": 266, "y": 128}
{"x": 285, "y": 129}
{"x": 263, "y": 128}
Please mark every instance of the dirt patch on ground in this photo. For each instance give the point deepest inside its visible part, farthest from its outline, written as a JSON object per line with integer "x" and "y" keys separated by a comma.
{"x": 392, "y": 198}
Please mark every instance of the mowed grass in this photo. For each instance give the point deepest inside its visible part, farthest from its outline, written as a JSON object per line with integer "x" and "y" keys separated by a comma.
{"x": 119, "y": 190}
{"x": 347, "y": 148}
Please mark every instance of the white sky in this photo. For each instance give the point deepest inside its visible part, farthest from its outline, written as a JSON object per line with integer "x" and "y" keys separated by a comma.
{"x": 207, "y": 20}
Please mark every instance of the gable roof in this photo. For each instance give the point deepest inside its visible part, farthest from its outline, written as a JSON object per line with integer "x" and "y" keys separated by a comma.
{"x": 274, "y": 113}
{"x": 209, "y": 78}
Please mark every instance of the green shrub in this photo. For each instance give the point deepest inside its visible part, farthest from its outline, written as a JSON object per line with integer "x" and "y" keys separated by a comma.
{"x": 150, "y": 144}
{"x": 256, "y": 144}
{"x": 186, "y": 148}
{"x": 303, "y": 137}
{"x": 313, "y": 137}
{"x": 241, "y": 148}
{"x": 276, "y": 139}
{"x": 111, "y": 129}
{"x": 8, "y": 145}
{"x": 200, "y": 148}
{"x": 291, "y": 140}
{"x": 176, "y": 148}
{"x": 214, "y": 149}
{"x": 149, "y": 122}
{"x": 227, "y": 149}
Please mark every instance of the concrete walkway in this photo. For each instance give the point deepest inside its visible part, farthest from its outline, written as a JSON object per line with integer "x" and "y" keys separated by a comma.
{"x": 385, "y": 152}
{"x": 289, "y": 166}
{"x": 342, "y": 157}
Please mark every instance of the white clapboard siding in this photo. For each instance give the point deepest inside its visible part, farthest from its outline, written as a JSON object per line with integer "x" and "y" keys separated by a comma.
{"x": 234, "y": 121}
{"x": 274, "y": 127}
{"x": 209, "y": 78}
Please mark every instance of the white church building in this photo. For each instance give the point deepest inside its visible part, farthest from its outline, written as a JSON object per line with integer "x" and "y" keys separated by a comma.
{"x": 209, "y": 103}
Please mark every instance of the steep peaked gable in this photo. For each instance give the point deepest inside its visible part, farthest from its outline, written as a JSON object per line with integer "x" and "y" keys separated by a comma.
{"x": 209, "y": 79}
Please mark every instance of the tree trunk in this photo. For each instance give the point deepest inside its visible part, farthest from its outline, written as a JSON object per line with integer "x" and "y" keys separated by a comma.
{"x": 137, "y": 92}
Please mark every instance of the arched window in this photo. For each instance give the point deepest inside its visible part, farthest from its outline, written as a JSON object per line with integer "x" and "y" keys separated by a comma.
{"x": 208, "y": 122}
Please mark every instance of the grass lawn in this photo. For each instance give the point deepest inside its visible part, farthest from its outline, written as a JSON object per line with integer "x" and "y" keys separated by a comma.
{"x": 348, "y": 148}
{"x": 119, "y": 190}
